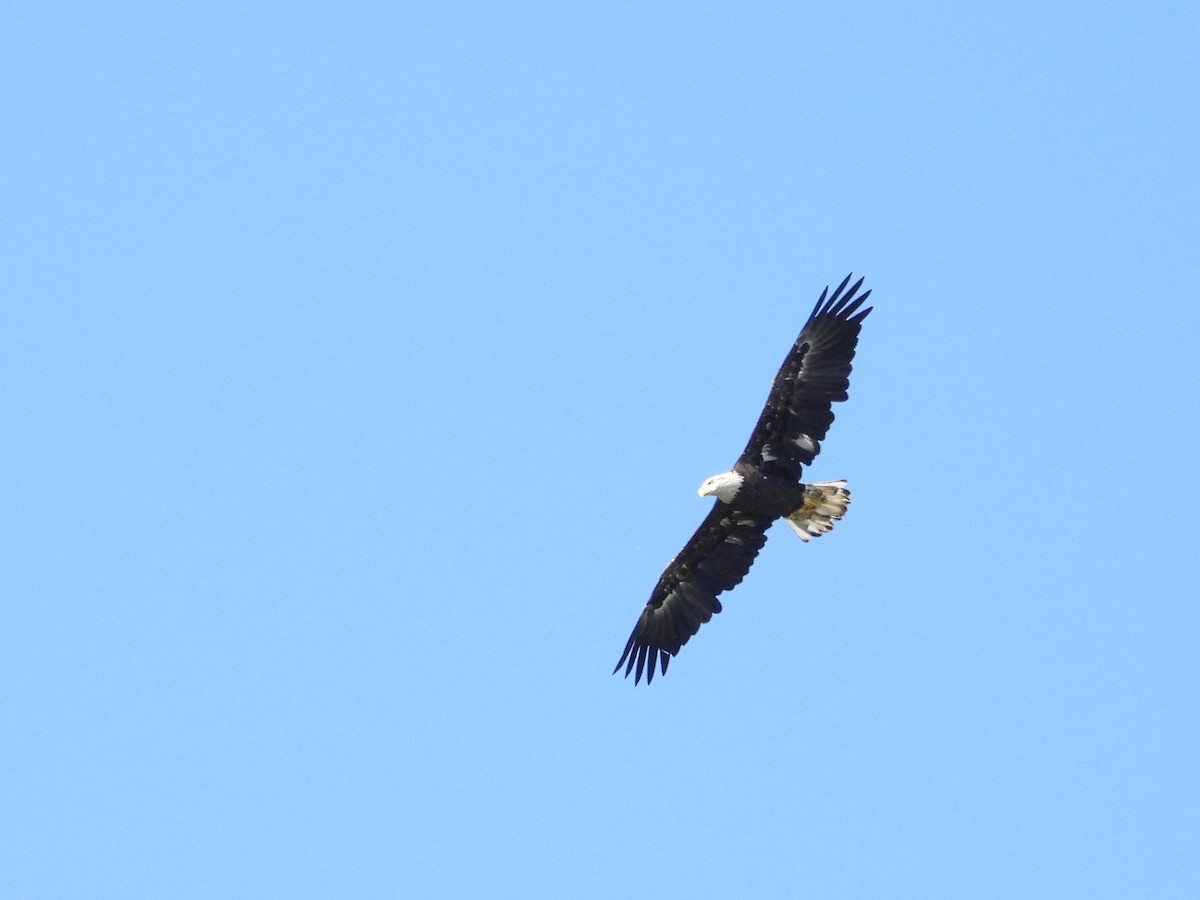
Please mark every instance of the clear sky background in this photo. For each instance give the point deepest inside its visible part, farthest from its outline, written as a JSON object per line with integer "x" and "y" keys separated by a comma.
{"x": 360, "y": 363}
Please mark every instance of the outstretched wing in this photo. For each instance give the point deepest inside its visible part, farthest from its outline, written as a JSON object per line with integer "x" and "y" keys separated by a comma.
{"x": 815, "y": 375}
{"x": 717, "y": 558}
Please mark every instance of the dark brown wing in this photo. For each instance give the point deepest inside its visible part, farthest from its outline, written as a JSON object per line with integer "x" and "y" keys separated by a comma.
{"x": 815, "y": 375}
{"x": 717, "y": 558}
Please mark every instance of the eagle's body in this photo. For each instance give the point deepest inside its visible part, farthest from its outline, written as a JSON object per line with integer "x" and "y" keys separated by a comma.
{"x": 764, "y": 485}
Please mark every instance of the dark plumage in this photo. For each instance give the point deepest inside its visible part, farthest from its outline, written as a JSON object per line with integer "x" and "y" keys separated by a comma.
{"x": 764, "y": 485}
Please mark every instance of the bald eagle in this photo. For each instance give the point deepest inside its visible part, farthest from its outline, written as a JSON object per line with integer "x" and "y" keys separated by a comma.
{"x": 764, "y": 485}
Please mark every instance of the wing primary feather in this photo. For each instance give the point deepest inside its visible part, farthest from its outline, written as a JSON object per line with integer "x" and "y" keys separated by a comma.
{"x": 841, "y": 287}
{"x": 855, "y": 319}
{"x": 625, "y": 655}
{"x": 820, "y": 300}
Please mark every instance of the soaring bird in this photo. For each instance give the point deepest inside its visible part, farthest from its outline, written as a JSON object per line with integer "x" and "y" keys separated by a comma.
{"x": 763, "y": 485}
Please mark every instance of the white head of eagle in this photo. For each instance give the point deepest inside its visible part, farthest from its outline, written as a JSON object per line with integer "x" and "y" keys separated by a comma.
{"x": 724, "y": 486}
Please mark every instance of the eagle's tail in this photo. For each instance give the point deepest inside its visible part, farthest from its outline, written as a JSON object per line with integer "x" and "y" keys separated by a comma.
{"x": 824, "y": 503}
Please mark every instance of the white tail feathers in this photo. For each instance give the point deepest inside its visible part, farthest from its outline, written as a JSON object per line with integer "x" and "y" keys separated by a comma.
{"x": 824, "y": 503}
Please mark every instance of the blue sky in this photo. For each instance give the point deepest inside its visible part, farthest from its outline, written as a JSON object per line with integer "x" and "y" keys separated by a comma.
{"x": 360, "y": 365}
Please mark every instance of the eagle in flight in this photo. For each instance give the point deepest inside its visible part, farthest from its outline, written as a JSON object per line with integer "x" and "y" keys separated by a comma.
{"x": 764, "y": 485}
